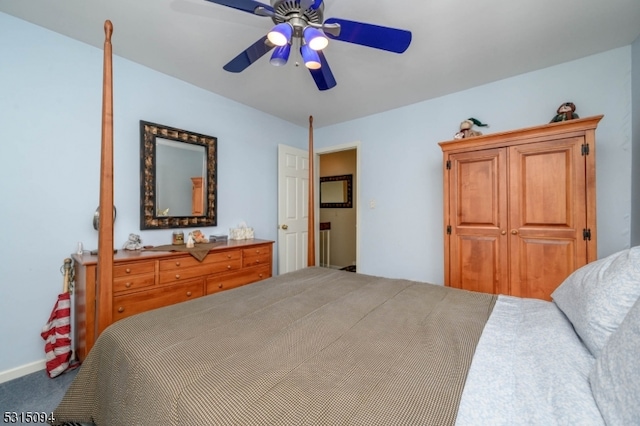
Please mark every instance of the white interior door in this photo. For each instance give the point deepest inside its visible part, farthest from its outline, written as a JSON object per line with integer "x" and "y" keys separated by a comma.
{"x": 293, "y": 209}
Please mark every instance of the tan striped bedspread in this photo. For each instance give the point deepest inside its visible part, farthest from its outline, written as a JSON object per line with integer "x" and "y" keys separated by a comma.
{"x": 313, "y": 347}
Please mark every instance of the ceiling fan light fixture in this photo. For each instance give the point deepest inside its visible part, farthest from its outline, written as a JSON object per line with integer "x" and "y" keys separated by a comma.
{"x": 310, "y": 57}
{"x": 314, "y": 38}
{"x": 280, "y": 35}
{"x": 300, "y": 25}
{"x": 280, "y": 55}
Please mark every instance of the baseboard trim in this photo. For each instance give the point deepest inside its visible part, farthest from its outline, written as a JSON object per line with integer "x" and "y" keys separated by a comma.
{"x": 22, "y": 370}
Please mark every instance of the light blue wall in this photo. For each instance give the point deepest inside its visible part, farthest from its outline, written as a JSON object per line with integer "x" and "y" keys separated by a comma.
{"x": 50, "y": 121}
{"x": 635, "y": 212}
{"x": 401, "y": 167}
{"x": 50, "y": 100}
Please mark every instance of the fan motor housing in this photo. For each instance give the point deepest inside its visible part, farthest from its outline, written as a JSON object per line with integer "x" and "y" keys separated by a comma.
{"x": 291, "y": 11}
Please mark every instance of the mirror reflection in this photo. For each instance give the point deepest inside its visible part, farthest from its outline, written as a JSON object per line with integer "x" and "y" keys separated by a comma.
{"x": 178, "y": 178}
{"x": 336, "y": 191}
{"x": 333, "y": 192}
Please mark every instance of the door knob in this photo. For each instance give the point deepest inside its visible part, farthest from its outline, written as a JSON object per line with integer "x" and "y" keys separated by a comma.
{"x": 285, "y": 227}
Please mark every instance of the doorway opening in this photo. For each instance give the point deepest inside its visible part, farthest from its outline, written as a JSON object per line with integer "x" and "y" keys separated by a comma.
{"x": 338, "y": 220}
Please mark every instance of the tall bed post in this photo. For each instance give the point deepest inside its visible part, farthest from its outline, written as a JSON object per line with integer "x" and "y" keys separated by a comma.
{"x": 311, "y": 241}
{"x": 105, "y": 226}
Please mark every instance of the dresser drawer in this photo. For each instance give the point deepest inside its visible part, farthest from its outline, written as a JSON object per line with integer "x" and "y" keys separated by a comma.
{"x": 134, "y": 282}
{"x": 134, "y": 303}
{"x": 127, "y": 269}
{"x": 227, "y": 281}
{"x": 261, "y": 259}
{"x": 190, "y": 261}
{"x": 181, "y": 274}
{"x": 263, "y": 250}
{"x": 258, "y": 255}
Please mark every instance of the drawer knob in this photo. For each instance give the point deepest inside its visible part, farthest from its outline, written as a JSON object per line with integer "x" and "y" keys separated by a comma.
{"x": 121, "y": 309}
{"x": 128, "y": 285}
{"x": 177, "y": 276}
{"x": 188, "y": 294}
{"x": 177, "y": 263}
{"x": 258, "y": 251}
{"x": 257, "y": 261}
{"x": 228, "y": 266}
{"x": 260, "y": 275}
{"x": 128, "y": 271}
{"x": 228, "y": 256}
{"x": 220, "y": 285}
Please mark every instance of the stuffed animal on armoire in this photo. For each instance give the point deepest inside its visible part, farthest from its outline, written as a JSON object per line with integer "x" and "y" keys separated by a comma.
{"x": 466, "y": 128}
{"x": 566, "y": 111}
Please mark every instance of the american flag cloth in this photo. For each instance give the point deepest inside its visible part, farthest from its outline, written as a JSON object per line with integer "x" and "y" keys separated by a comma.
{"x": 57, "y": 334}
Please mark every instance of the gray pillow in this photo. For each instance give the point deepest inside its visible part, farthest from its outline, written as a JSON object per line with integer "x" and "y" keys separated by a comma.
{"x": 597, "y": 296}
{"x": 615, "y": 378}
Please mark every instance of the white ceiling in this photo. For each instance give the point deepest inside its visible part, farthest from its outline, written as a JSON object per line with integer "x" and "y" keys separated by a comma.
{"x": 457, "y": 44}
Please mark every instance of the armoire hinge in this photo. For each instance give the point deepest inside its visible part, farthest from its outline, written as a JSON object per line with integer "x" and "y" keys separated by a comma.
{"x": 585, "y": 149}
{"x": 586, "y": 234}
{"x": 448, "y": 165}
{"x": 448, "y": 229}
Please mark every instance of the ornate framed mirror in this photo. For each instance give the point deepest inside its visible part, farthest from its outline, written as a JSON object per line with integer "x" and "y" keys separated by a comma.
{"x": 336, "y": 191}
{"x": 178, "y": 178}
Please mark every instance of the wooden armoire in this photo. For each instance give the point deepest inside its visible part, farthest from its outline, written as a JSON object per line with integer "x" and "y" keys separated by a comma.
{"x": 520, "y": 208}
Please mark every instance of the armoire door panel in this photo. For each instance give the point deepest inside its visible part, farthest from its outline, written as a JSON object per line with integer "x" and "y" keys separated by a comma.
{"x": 546, "y": 178}
{"x": 478, "y": 243}
{"x": 479, "y": 182}
{"x": 547, "y": 184}
{"x": 479, "y": 265}
{"x": 542, "y": 265}
{"x": 546, "y": 215}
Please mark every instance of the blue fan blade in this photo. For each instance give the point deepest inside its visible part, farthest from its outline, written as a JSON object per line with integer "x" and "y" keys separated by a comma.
{"x": 323, "y": 76}
{"x": 316, "y": 4}
{"x": 243, "y": 5}
{"x": 249, "y": 56}
{"x": 376, "y": 36}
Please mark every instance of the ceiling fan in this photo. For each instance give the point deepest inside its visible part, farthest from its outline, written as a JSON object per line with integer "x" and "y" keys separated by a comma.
{"x": 300, "y": 24}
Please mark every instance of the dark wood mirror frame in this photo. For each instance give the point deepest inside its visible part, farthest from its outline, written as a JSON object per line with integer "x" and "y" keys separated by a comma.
{"x": 348, "y": 202}
{"x": 148, "y": 207}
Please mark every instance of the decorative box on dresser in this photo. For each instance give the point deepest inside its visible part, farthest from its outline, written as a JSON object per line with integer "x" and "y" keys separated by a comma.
{"x": 520, "y": 208}
{"x": 145, "y": 280}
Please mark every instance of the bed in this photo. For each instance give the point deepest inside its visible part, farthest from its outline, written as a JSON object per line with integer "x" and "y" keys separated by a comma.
{"x": 327, "y": 347}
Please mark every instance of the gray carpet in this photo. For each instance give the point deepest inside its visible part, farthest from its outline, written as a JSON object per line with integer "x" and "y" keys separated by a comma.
{"x": 35, "y": 392}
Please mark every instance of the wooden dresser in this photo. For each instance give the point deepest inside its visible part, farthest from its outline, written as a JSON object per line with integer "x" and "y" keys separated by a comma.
{"x": 520, "y": 208}
{"x": 145, "y": 280}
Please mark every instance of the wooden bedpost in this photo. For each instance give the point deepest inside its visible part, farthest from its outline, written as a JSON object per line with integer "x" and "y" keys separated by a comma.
{"x": 105, "y": 228}
{"x": 311, "y": 241}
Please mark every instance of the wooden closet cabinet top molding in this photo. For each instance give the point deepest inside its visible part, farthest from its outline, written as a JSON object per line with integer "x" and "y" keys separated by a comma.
{"x": 526, "y": 135}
